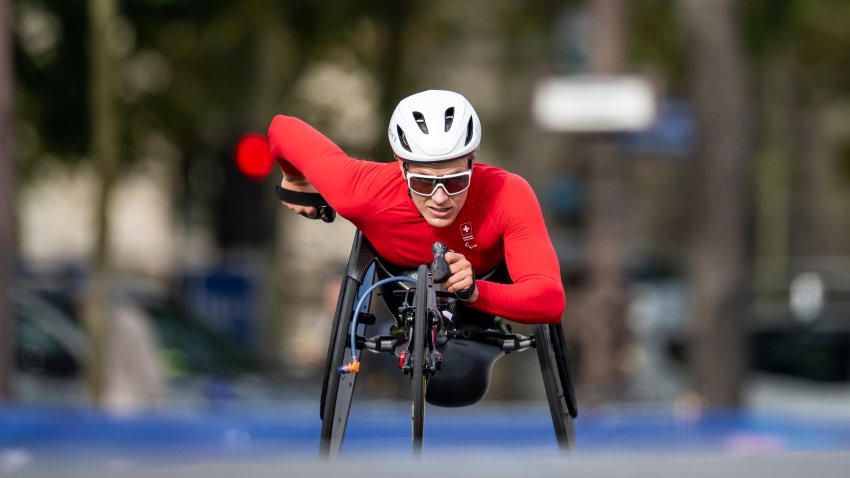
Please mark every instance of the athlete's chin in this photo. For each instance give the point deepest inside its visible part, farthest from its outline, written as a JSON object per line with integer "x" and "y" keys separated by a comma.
{"x": 439, "y": 221}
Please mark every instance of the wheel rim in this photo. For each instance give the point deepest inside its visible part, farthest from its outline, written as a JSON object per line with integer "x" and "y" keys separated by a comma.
{"x": 418, "y": 383}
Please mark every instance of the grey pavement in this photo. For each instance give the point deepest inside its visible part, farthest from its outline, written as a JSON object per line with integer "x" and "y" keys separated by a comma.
{"x": 481, "y": 463}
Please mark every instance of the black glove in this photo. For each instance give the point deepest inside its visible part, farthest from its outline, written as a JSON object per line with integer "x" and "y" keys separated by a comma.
{"x": 466, "y": 294}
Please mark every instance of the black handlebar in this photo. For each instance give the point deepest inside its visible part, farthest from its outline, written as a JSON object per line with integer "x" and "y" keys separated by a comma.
{"x": 439, "y": 268}
{"x": 325, "y": 212}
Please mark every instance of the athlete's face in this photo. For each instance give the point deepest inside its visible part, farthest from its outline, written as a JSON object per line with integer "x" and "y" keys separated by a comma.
{"x": 440, "y": 209}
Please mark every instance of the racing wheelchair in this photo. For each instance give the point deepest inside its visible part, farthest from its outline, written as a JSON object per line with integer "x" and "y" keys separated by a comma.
{"x": 423, "y": 314}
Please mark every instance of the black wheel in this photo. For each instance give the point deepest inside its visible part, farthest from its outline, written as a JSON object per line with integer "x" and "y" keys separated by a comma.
{"x": 557, "y": 382}
{"x": 337, "y": 390}
{"x": 417, "y": 380}
{"x": 562, "y": 358}
{"x": 334, "y": 414}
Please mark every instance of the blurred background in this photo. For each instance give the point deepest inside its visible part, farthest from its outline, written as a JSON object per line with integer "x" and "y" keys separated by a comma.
{"x": 692, "y": 159}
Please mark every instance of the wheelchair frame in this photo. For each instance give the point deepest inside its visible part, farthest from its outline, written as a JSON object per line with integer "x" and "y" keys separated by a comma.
{"x": 338, "y": 389}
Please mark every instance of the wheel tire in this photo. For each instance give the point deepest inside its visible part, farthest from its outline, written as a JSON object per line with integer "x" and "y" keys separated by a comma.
{"x": 336, "y": 354}
{"x": 557, "y": 392}
{"x": 418, "y": 384}
{"x": 562, "y": 358}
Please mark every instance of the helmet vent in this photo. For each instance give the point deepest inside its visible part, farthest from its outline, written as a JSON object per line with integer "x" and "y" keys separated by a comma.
{"x": 450, "y": 117}
{"x": 468, "y": 132}
{"x": 403, "y": 139}
{"x": 420, "y": 121}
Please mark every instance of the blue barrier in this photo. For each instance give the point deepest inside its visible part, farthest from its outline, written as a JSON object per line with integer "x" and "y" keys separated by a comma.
{"x": 294, "y": 429}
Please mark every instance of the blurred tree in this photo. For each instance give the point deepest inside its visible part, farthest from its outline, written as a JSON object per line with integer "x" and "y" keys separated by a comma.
{"x": 795, "y": 57}
{"x": 51, "y": 79}
{"x": 603, "y": 320}
{"x": 392, "y": 62}
{"x": 773, "y": 36}
{"x": 104, "y": 150}
{"x": 799, "y": 56}
{"x": 719, "y": 265}
{"x": 7, "y": 205}
{"x": 189, "y": 77}
{"x": 774, "y": 168}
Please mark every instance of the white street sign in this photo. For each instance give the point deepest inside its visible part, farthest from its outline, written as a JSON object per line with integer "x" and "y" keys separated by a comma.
{"x": 594, "y": 104}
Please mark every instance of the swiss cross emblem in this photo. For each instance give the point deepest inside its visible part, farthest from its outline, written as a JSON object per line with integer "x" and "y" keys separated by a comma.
{"x": 466, "y": 234}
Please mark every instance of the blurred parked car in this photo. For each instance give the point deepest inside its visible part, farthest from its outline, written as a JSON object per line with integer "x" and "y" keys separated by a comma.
{"x": 818, "y": 351}
{"x": 52, "y": 345}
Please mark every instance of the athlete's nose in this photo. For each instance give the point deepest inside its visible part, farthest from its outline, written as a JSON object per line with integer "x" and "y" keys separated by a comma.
{"x": 440, "y": 195}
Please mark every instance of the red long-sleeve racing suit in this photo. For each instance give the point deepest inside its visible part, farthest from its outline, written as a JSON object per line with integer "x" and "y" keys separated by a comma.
{"x": 500, "y": 220}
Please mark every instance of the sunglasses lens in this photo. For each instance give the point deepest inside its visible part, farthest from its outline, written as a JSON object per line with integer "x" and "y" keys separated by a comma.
{"x": 421, "y": 185}
{"x": 456, "y": 184}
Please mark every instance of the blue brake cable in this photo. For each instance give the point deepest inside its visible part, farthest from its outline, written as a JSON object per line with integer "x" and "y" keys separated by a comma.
{"x": 354, "y": 366}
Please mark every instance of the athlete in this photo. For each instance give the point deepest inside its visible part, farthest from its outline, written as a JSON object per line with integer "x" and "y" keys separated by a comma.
{"x": 435, "y": 190}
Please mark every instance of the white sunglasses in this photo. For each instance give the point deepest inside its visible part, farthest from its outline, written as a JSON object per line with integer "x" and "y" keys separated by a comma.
{"x": 426, "y": 185}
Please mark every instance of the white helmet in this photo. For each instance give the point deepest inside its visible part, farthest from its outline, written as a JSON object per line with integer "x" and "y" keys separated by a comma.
{"x": 433, "y": 126}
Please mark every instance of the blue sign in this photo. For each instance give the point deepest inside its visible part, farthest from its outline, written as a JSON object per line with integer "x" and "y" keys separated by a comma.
{"x": 226, "y": 299}
{"x": 564, "y": 194}
{"x": 672, "y": 135}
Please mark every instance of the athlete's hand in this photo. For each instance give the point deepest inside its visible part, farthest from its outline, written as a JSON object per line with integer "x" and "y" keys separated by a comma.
{"x": 300, "y": 184}
{"x": 461, "y": 276}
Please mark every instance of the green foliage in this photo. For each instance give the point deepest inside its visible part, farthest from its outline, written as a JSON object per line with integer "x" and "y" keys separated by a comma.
{"x": 768, "y": 25}
{"x": 812, "y": 34}
{"x": 207, "y": 56}
{"x": 52, "y": 75}
{"x": 655, "y": 39}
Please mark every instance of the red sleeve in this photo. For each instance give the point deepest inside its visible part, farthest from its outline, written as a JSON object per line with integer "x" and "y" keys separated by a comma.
{"x": 537, "y": 294}
{"x": 300, "y": 150}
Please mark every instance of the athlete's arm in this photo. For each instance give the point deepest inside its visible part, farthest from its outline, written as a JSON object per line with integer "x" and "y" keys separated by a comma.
{"x": 537, "y": 294}
{"x": 313, "y": 163}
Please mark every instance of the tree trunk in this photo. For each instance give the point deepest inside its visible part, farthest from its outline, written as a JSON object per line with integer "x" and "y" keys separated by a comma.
{"x": 102, "y": 15}
{"x": 271, "y": 270}
{"x": 775, "y": 169}
{"x": 7, "y": 206}
{"x": 603, "y": 329}
{"x": 718, "y": 267}
{"x": 393, "y": 65}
